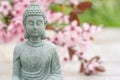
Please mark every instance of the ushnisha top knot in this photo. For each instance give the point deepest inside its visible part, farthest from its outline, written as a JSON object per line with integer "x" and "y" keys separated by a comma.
{"x": 33, "y": 10}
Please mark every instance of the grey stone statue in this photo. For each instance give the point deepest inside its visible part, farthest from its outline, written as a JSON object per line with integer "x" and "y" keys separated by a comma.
{"x": 35, "y": 58}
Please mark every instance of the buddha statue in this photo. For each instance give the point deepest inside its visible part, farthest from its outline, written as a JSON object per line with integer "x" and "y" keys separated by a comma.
{"x": 35, "y": 58}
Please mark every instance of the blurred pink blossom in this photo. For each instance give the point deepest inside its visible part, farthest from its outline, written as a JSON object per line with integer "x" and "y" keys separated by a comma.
{"x": 5, "y": 7}
{"x": 20, "y": 6}
{"x": 75, "y": 2}
{"x": 90, "y": 30}
{"x": 74, "y": 35}
{"x": 45, "y": 3}
{"x": 52, "y": 16}
{"x": 63, "y": 19}
{"x": 93, "y": 66}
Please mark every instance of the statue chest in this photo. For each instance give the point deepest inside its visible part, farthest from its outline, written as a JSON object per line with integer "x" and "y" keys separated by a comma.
{"x": 32, "y": 59}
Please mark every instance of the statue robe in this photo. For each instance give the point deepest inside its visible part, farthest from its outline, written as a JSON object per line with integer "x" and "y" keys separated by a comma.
{"x": 36, "y": 62}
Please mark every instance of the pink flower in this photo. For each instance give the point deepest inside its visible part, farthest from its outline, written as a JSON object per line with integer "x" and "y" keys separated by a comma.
{"x": 52, "y": 16}
{"x": 73, "y": 27}
{"x": 20, "y": 6}
{"x": 5, "y": 36}
{"x": 84, "y": 45}
{"x": 73, "y": 32}
{"x": 45, "y": 3}
{"x": 16, "y": 27}
{"x": 89, "y": 30}
{"x": 93, "y": 66}
{"x": 86, "y": 26}
{"x": 80, "y": 55}
{"x": 63, "y": 19}
{"x": 69, "y": 36}
{"x": 2, "y": 25}
{"x": 99, "y": 28}
{"x": 5, "y": 7}
{"x": 62, "y": 51}
{"x": 75, "y": 2}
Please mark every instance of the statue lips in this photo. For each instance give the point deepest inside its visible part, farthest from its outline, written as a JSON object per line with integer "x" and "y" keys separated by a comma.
{"x": 35, "y": 32}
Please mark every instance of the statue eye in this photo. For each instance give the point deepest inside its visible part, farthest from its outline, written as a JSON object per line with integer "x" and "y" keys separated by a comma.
{"x": 30, "y": 22}
{"x": 39, "y": 22}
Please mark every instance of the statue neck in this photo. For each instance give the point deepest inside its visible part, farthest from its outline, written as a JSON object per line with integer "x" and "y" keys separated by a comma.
{"x": 35, "y": 42}
{"x": 35, "y": 39}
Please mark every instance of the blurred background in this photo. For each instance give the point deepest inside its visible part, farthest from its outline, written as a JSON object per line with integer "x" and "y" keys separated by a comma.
{"x": 86, "y": 33}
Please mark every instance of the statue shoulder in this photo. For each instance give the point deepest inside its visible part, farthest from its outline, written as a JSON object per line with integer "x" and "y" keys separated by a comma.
{"x": 19, "y": 47}
{"x": 17, "y": 50}
{"x": 50, "y": 44}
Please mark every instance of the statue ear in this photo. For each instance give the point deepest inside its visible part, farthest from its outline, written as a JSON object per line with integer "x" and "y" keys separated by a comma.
{"x": 26, "y": 35}
{"x": 43, "y": 36}
{"x": 24, "y": 23}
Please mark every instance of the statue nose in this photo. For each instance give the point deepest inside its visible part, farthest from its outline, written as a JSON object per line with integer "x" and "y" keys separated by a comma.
{"x": 35, "y": 27}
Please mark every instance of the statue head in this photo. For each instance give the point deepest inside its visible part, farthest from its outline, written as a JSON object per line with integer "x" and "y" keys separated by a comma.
{"x": 34, "y": 21}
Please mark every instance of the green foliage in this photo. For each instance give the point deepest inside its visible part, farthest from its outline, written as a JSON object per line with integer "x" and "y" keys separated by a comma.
{"x": 10, "y": 1}
{"x": 60, "y": 8}
{"x": 104, "y": 12}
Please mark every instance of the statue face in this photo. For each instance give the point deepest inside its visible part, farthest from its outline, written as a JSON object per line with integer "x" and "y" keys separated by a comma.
{"x": 35, "y": 26}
